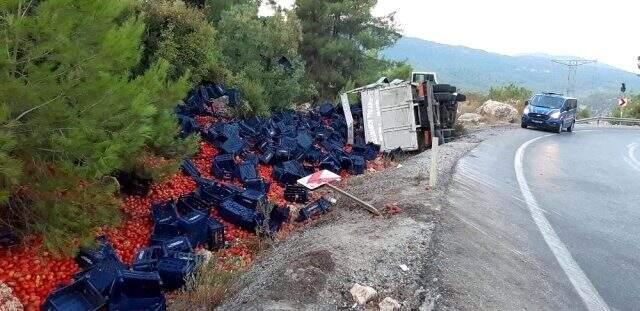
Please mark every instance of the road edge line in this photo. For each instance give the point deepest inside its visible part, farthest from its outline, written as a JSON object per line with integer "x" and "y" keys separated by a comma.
{"x": 581, "y": 283}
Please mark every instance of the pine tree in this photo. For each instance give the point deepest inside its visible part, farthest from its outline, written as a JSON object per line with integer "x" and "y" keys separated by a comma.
{"x": 73, "y": 114}
{"x": 262, "y": 54}
{"x": 341, "y": 42}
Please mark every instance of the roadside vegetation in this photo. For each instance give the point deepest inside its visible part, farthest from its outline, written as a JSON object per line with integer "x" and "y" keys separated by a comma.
{"x": 632, "y": 110}
{"x": 85, "y": 99}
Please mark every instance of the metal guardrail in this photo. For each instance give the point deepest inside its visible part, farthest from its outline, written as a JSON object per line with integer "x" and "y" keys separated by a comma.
{"x": 609, "y": 120}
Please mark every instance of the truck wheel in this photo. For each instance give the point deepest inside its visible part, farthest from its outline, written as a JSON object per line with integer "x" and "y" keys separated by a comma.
{"x": 570, "y": 128}
{"x": 444, "y": 88}
{"x": 444, "y": 97}
{"x": 461, "y": 98}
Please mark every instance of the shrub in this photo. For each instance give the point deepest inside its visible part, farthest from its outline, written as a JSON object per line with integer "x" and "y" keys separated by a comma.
{"x": 73, "y": 114}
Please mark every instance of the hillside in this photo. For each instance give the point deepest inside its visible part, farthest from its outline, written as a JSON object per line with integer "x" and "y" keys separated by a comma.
{"x": 477, "y": 70}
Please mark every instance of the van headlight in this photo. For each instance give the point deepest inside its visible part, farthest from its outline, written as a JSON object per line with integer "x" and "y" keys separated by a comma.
{"x": 555, "y": 115}
{"x": 526, "y": 110}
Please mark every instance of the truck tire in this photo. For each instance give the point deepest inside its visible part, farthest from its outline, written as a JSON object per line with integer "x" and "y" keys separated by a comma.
{"x": 444, "y": 97}
{"x": 444, "y": 88}
{"x": 461, "y": 98}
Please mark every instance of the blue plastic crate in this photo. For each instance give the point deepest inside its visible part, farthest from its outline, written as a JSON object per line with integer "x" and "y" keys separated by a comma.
{"x": 234, "y": 97}
{"x": 251, "y": 198}
{"x": 283, "y": 155}
{"x": 267, "y": 157}
{"x": 88, "y": 257}
{"x": 146, "y": 259}
{"x": 296, "y": 193}
{"x": 288, "y": 172}
{"x": 193, "y": 202}
{"x": 251, "y": 158}
{"x": 163, "y": 232}
{"x": 216, "y": 235}
{"x": 137, "y": 290}
{"x": 164, "y": 213}
{"x": 358, "y": 165}
{"x": 304, "y": 141}
{"x": 173, "y": 270}
{"x": 223, "y": 166}
{"x": 217, "y": 193}
{"x": 372, "y": 152}
{"x": 78, "y": 296}
{"x": 326, "y": 109}
{"x": 258, "y": 184}
{"x": 102, "y": 275}
{"x": 179, "y": 244}
{"x": 233, "y": 145}
{"x": 190, "y": 169}
{"x": 238, "y": 215}
{"x": 194, "y": 227}
{"x": 246, "y": 171}
{"x": 318, "y": 207}
{"x": 330, "y": 163}
{"x": 313, "y": 155}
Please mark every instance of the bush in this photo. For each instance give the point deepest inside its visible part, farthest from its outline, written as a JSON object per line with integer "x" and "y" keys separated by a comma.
{"x": 510, "y": 93}
{"x": 584, "y": 113}
{"x": 180, "y": 34}
{"x": 632, "y": 110}
{"x": 72, "y": 114}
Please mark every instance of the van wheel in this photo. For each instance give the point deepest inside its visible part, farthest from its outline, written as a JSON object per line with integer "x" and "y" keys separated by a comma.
{"x": 523, "y": 125}
{"x": 570, "y": 128}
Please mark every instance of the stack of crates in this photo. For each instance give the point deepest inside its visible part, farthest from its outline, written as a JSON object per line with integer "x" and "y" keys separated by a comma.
{"x": 252, "y": 199}
{"x": 238, "y": 215}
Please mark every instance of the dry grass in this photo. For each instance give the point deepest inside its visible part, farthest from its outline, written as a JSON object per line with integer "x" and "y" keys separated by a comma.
{"x": 474, "y": 100}
{"x": 208, "y": 286}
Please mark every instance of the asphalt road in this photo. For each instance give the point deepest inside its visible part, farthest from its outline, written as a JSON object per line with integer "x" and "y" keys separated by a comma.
{"x": 540, "y": 221}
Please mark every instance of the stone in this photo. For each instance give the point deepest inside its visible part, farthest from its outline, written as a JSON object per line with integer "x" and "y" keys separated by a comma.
{"x": 362, "y": 294}
{"x": 7, "y": 300}
{"x": 497, "y": 111}
{"x": 389, "y": 304}
{"x": 469, "y": 118}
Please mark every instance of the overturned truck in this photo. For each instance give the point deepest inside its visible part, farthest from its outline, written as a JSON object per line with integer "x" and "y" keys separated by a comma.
{"x": 405, "y": 115}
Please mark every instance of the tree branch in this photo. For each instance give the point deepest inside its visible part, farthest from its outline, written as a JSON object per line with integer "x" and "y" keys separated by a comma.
{"x": 34, "y": 108}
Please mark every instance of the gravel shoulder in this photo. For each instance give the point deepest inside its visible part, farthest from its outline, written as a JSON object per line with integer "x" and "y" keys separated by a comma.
{"x": 314, "y": 268}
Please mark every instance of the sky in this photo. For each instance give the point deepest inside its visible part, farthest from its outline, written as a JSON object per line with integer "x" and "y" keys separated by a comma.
{"x": 607, "y": 31}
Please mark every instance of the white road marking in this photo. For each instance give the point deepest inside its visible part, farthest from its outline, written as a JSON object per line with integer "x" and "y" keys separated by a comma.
{"x": 631, "y": 158}
{"x": 582, "y": 284}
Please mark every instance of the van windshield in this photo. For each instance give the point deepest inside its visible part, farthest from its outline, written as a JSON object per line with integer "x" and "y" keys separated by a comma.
{"x": 547, "y": 101}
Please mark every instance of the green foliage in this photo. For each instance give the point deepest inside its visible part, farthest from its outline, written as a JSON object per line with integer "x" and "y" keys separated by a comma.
{"x": 181, "y": 35}
{"x": 399, "y": 70}
{"x": 251, "y": 48}
{"x": 584, "y": 113}
{"x": 510, "y": 93}
{"x": 632, "y": 110}
{"x": 341, "y": 41}
{"x": 72, "y": 113}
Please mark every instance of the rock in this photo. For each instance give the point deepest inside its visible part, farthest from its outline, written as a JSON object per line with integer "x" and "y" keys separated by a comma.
{"x": 7, "y": 300}
{"x": 389, "y": 304}
{"x": 498, "y": 111}
{"x": 404, "y": 268}
{"x": 469, "y": 118}
{"x": 362, "y": 294}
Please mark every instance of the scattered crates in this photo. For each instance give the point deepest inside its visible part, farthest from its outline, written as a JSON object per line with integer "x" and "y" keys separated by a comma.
{"x": 233, "y": 145}
{"x": 164, "y": 213}
{"x": 224, "y": 166}
{"x": 247, "y": 171}
{"x": 102, "y": 275}
{"x": 330, "y": 163}
{"x": 258, "y": 184}
{"x": 163, "y": 232}
{"x": 252, "y": 198}
{"x": 216, "y": 193}
{"x": 89, "y": 257}
{"x": 137, "y": 290}
{"x": 358, "y": 165}
{"x": 238, "y": 215}
{"x": 296, "y": 193}
{"x": 179, "y": 244}
{"x": 304, "y": 141}
{"x": 190, "y": 169}
{"x": 193, "y": 202}
{"x": 318, "y": 207}
{"x": 146, "y": 259}
{"x": 215, "y": 231}
{"x": 194, "y": 227}
{"x": 78, "y": 296}
{"x": 174, "y": 269}
{"x": 288, "y": 172}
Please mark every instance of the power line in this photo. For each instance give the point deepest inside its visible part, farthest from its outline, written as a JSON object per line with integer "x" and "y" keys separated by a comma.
{"x": 572, "y": 65}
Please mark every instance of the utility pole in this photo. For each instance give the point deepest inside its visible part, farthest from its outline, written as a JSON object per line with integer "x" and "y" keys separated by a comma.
{"x": 572, "y": 65}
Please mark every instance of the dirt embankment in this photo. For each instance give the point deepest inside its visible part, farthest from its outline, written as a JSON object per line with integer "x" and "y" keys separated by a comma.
{"x": 314, "y": 268}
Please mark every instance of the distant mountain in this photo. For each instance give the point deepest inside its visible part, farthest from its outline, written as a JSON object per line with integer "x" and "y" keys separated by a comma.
{"x": 478, "y": 70}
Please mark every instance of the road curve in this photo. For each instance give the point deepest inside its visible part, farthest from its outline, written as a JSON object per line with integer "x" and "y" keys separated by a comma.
{"x": 544, "y": 222}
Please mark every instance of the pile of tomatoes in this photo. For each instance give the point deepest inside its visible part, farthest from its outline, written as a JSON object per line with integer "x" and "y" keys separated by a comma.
{"x": 33, "y": 273}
